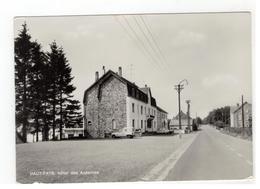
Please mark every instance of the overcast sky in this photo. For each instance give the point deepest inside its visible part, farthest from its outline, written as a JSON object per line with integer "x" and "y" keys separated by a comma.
{"x": 212, "y": 51}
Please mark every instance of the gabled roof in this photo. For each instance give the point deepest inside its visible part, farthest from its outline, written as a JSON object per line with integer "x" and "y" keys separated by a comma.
{"x": 241, "y": 107}
{"x": 147, "y": 91}
{"x": 133, "y": 90}
{"x": 161, "y": 110}
{"x": 183, "y": 116}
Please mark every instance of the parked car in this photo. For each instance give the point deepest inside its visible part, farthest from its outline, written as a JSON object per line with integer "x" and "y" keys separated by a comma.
{"x": 179, "y": 131}
{"x": 163, "y": 131}
{"x": 138, "y": 133}
{"x": 124, "y": 132}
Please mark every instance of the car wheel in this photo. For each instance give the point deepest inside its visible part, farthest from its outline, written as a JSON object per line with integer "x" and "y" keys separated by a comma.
{"x": 113, "y": 136}
{"x": 130, "y": 136}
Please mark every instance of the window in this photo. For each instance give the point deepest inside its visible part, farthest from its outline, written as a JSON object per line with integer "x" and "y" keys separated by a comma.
{"x": 113, "y": 124}
{"x": 141, "y": 110}
{"x": 133, "y": 123}
{"x": 149, "y": 111}
{"x": 141, "y": 124}
{"x": 145, "y": 110}
{"x": 133, "y": 107}
{"x": 89, "y": 123}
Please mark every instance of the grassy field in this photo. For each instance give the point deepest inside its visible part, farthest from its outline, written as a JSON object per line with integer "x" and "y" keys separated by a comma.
{"x": 91, "y": 160}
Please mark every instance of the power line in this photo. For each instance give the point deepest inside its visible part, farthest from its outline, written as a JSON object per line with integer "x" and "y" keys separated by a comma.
{"x": 153, "y": 38}
{"x": 148, "y": 40}
{"x": 139, "y": 44}
{"x": 140, "y": 41}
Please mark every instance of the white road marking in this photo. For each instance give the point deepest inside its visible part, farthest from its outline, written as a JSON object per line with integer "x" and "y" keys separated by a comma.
{"x": 250, "y": 177}
{"x": 240, "y": 155}
{"x": 161, "y": 170}
{"x": 249, "y": 162}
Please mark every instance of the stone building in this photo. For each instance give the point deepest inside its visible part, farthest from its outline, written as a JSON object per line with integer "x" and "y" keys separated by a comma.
{"x": 174, "y": 123}
{"x": 236, "y": 115}
{"x": 112, "y": 103}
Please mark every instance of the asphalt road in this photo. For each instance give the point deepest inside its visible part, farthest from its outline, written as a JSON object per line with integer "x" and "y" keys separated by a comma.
{"x": 214, "y": 156}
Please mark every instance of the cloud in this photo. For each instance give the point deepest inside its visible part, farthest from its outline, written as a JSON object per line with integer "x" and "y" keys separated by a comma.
{"x": 217, "y": 80}
{"x": 187, "y": 38}
{"x": 82, "y": 31}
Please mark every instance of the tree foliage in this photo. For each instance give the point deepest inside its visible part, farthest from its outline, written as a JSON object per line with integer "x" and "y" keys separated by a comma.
{"x": 43, "y": 86}
{"x": 219, "y": 114}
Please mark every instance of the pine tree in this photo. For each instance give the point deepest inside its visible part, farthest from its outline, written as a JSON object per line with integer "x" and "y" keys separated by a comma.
{"x": 38, "y": 80}
{"x": 22, "y": 48}
{"x": 61, "y": 88}
{"x": 73, "y": 115}
{"x": 53, "y": 59}
{"x": 46, "y": 96}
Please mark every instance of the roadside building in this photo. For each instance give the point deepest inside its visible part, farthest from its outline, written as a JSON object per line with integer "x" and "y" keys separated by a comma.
{"x": 112, "y": 103}
{"x": 236, "y": 115}
{"x": 162, "y": 120}
{"x": 77, "y": 132}
{"x": 174, "y": 122}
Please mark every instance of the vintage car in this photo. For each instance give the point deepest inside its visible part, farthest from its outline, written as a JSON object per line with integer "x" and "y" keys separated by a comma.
{"x": 124, "y": 132}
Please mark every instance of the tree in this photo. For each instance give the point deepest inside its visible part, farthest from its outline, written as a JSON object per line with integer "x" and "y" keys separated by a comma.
{"x": 23, "y": 49}
{"x": 38, "y": 90}
{"x": 220, "y": 114}
{"x": 43, "y": 86}
{"x": 61, "y": 87}
{"x": 73, "y": 115}
{"x": 53, "y": 58}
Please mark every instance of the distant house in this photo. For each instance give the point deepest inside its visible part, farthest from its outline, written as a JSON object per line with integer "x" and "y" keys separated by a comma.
{"x": 162, "y": 120}
{"x": 236, "y": 115}
{"x": 67, "y": 133}
{"x": 174, "y": 122}
{"x": 112, "y": 103}
{"x": 73, "y": 132}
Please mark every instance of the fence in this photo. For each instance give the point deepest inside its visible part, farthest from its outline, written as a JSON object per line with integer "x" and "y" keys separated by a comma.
{"x": 245, "y": 133}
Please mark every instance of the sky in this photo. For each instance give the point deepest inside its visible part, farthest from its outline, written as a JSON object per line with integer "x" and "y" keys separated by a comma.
{"x": 212, "y": 51}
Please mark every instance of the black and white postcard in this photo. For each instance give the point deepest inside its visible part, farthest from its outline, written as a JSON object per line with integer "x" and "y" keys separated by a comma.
{"x": 133, "y": 97}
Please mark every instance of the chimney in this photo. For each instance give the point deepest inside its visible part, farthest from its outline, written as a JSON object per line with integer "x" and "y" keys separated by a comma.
{"x": 104, "y": 69}
{"x": 120, "y": 71}
{"x": 97, "y": 76}
{"x": 145, "y": 86}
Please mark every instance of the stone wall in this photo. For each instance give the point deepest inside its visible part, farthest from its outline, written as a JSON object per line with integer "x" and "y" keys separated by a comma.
{"x": 99, "y": 113}
{"x": 161, "y": 120}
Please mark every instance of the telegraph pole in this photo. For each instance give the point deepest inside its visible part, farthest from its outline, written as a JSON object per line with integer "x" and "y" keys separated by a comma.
{"x": 179, "y": 87}
{"x": 242, "y": 106}
{"x": 188, "y": 113}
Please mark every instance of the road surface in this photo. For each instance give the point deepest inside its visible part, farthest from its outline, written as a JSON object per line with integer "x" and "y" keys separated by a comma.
{"x": 214, "y": 156}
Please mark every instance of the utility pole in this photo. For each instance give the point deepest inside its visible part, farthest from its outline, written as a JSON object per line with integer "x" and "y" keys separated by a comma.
{"x": 179, "y": 87}
{"x": 188, "y": 113}
{"x": 242, "y": 106}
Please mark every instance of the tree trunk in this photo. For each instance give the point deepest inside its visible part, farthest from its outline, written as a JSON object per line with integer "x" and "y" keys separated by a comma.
{"x": 37, "y": 121}
{"x": 60, "y": 115}
{"x": 37, "y": 130}
{"x": 53, "y": 121}
{"x": 24, "y": 129}
{"x": 45, "y": 127}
